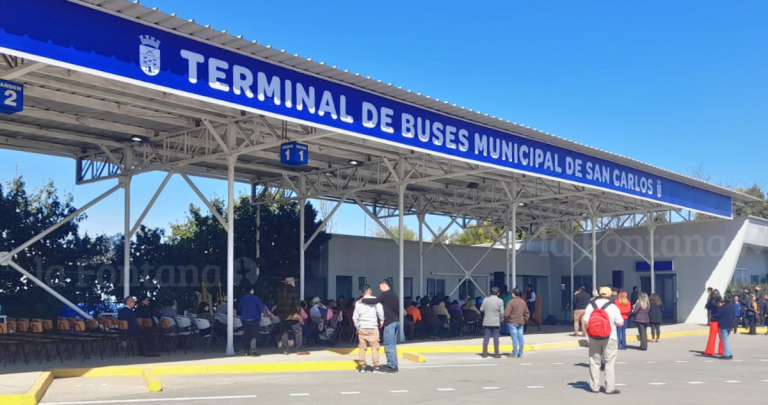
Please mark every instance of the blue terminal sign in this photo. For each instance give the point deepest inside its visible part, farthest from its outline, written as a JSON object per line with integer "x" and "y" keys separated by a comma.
{"x": 83, "y": 38}
{"x": 294, "y": 154}
{"x": 11, "y": 97}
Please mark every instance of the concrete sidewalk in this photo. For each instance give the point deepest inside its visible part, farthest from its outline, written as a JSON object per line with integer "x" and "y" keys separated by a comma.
{"x": 19, "y": 380}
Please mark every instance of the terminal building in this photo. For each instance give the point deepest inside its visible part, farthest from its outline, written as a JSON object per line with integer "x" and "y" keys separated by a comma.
{"x": 129, "y": 90}
{"x": 689, "y": 258}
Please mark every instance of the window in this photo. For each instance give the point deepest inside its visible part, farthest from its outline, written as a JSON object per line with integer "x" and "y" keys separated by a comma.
{"x": 431, "y": 287}
{"x": 408, "y": 287}
{"x": 391, "y": 283}
{"x": 362, "y": 282}
{"x": 740, "y": 275}
{"x": 754, "y": 279}
{"x": 440, "y": 288}
{"x": 467, "y": 288}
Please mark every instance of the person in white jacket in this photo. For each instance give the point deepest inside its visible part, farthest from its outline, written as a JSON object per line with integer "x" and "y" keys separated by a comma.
{"x": 368, "y": 320}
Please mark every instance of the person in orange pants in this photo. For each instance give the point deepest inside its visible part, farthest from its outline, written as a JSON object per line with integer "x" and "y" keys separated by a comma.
{"x": 714, "y": 334}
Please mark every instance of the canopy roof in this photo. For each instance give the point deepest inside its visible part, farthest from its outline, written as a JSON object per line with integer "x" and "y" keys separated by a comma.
{"x": 118, "y": 125}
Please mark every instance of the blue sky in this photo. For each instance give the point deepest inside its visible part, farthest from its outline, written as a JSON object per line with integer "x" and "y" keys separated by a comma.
{"x": 675, "y": 84}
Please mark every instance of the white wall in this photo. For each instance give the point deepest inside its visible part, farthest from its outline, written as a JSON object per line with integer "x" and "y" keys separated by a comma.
{"x": 378, "y": 258}
{"x": 704, "y": 254}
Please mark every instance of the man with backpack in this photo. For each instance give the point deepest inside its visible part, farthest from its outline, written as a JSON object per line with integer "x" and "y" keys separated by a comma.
{"x": 602, "y": 318}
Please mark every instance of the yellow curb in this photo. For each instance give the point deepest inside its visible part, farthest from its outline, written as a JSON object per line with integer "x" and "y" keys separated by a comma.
{"x": 151, "y": 380}
{"x": 418, "y": 358}
{"x": 33, "y": 395}
{"x": 111, "y": 371}
{"x": 355, "y": 351}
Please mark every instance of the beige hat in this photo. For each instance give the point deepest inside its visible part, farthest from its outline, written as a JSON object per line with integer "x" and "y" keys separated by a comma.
{"x": 290, "y": 280}
{"x": 605, "y": 292}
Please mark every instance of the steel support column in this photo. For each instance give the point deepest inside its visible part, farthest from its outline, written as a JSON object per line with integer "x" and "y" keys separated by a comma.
{"x": 231, "y": 160}
{"x": 594, "y": 253}
{"x": 421, "y": 218}
{"x": 573, "y": 287}
{"x": 652, "y": 231}
{"x": 126, "y": 182}
{"x": 258, "y": 242}
{"x": 401, "y": 246}
{"x": 302, "y": 236}
{"x": 513, "y": 228}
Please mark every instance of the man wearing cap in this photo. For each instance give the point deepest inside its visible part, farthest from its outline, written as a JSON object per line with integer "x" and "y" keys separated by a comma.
{"x": 604, "y": 349}
{"x": 289, "y": 311}
{"x": 391, "y": 305}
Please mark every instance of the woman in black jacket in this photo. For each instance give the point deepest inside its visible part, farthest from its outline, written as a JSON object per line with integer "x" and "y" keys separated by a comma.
{"x": 655, "y": 316}
{"x": 641, "y": 312}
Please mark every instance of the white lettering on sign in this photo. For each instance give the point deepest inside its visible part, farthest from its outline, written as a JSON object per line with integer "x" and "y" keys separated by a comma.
{"x": 303, "y": 97}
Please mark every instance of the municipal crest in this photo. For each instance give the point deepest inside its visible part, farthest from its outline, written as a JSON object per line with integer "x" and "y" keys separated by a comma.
{"x": 149, "y": 55}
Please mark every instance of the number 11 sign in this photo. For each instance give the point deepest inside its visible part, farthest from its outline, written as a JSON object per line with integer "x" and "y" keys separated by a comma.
{"x": 294, "y": 154}
{"x": 11, "y": 97}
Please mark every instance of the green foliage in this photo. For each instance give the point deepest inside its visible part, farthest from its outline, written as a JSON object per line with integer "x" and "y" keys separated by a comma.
{"x": 408, "y": 233}
{"x": 756, "y": 209}
{"x": 86, "y": 269}
{"x": 63, "y": 257}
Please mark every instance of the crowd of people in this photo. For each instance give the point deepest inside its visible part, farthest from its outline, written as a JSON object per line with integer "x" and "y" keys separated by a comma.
{"x": 637, "y": 309}
{"x": 725, "y": 314}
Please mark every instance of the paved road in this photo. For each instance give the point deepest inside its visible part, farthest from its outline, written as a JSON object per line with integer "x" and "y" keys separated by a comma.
{"x": 669, "y": 372}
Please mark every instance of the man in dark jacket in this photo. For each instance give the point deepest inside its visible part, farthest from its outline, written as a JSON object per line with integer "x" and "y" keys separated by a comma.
{"x": 145, "y": 337}
{"x": 391, "y": 305}
{"x": 289, "y": 311}
{"x": 580, "y": 302}
{"x": 744, "y": 299}
{"x": 636, "y": 294}
{"x": 726, "y": 318}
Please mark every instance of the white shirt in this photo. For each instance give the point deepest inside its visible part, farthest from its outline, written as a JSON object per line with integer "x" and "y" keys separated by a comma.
{"x": 532, "y": 298}
{"x": 613, "y": 314}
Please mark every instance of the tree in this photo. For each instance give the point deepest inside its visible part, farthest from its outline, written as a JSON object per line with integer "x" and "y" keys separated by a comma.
{"x": 408, "y": 233}
{"x": 64, "y": 259}
{"x": 477, "y": 235}
{"x": 324, "y": 208}
{"x": 756, "y": 209}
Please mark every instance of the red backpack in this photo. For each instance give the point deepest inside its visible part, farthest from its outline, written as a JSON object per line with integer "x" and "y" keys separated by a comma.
{"x": 599, "y": 325}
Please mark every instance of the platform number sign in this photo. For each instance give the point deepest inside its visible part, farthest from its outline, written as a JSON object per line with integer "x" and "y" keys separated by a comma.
{"x": 294, "y": 154}
{"x": 11, "y": 97}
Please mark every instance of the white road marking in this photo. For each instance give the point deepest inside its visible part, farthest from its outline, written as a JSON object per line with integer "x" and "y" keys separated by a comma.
{"x": 300, "y": 394}
{"x": 129, "y": 401}
{"x": 446, "y": 389}
{"x": 454, "y": 365}
{"x": 732, "y": 382}
{"x": 534, "y": 387}
{"x": 91, "y": 385}
{"x": 680, "y": 361}
{"x": 695, "y": 382}
{"x": 621, "y": 385}
{"x": 557, "y": 364}
{"x": 763, "y": 359}
{"x": 657, "y": 383}
{"x": 763, "y": 380}
{"x": 399, "y": 391}
{"x": 526, "y": 364}
{"x": 491, "y": 388}
{"x": 650, "y": 362}
{"x": 350, "y": 392}
{"x": 709, "y": 361}
{"x": 737, "y": 361}
{"x": 621, "y": 362}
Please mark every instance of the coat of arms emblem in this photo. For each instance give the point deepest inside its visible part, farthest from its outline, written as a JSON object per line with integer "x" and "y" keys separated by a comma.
{"x": 149, "y": 54}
